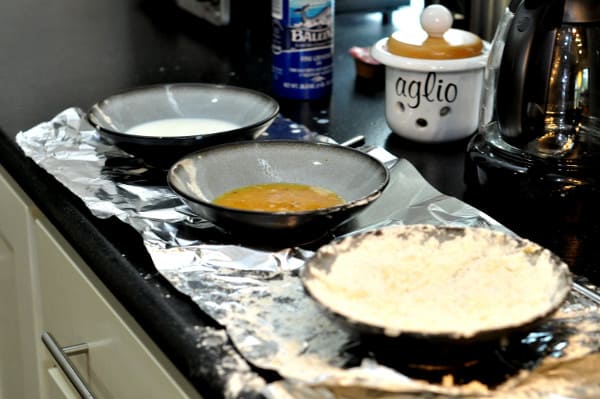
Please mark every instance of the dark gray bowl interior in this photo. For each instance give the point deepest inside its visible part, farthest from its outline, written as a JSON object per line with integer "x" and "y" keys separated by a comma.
{"x": 240, "y": 106}
{"x": 208, "y": 174}
{"x": 202, "y": 176}
{"x": 252, "y": 111}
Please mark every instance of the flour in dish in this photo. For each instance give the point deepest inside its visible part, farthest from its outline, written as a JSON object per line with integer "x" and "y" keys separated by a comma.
{"x": 414, "y": 279}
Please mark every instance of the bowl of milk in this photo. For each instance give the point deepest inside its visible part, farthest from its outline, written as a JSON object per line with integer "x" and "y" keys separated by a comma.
{"x": 161, "y": 123}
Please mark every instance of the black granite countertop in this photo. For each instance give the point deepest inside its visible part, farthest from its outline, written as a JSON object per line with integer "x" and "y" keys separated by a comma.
{"x": 71, "y": 53}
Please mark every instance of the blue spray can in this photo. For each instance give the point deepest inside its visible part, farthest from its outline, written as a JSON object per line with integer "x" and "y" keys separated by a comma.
{"x": 302, "y": 48}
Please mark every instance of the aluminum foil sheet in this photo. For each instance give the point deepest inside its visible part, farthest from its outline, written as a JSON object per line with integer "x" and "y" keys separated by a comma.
{"x": 257, "y": 296}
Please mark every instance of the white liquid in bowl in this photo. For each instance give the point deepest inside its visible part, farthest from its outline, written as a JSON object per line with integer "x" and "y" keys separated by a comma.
{"x": 175, "y": 127}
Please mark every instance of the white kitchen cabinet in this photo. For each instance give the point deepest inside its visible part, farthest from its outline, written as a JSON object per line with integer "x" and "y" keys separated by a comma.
{"x": 18, "y": 317}
{"x": 76, "y": 308}
{"x": 46, "y": 287}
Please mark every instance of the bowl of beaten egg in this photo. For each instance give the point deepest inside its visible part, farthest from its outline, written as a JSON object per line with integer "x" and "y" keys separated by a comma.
{"x": 288, "y": 187}
{"x": 161, "y": 123}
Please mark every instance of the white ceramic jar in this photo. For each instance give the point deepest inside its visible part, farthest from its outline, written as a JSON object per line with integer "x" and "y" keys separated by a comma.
{"x": 433, "y": 79}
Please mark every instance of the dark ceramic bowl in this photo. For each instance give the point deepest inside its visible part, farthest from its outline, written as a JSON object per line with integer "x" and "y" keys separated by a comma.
{"x": 202, "y": 176}
{"x": 193, "y": 116}
{"x": 391, "y": 242}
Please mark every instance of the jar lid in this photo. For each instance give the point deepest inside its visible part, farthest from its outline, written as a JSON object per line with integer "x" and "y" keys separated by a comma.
{"x": 437, "y": 40}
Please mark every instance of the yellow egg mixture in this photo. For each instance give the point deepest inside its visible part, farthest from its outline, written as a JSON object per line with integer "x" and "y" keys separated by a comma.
{"x": 279, "y": 197}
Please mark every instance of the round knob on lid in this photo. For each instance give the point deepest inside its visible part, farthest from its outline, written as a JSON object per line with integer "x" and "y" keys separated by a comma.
{"x": 436, "y": 20}
{"x": 437, "y": 40}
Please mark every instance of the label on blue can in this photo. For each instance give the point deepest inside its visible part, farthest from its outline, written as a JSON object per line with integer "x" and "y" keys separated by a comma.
{"x": 302, "y": 48}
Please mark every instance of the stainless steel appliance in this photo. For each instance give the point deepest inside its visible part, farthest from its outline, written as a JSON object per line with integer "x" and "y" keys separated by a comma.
{"x": 540, "y": 118}
{"x": 219, "y": 12}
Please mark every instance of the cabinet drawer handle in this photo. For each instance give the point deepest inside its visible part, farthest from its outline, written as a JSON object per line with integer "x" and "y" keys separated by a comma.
{"x": 61, "y": 356}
